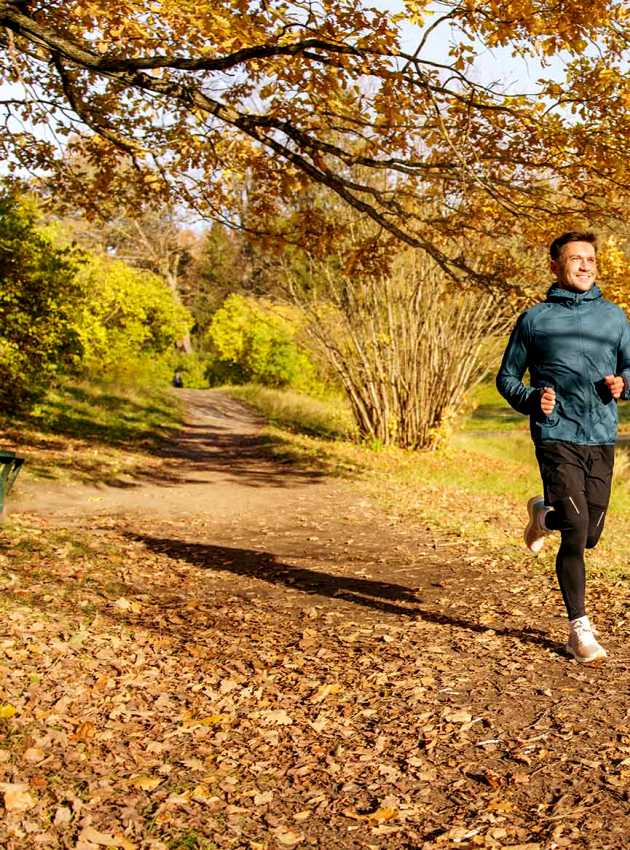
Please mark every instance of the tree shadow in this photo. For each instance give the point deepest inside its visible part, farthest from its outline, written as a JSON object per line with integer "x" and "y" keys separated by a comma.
{"x": 382, "y": 596}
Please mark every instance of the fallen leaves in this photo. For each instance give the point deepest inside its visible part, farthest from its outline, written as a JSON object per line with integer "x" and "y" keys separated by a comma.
{"x": 380, "y": 815}
{"x": 325, "y": 691}
{"x": 146, "y": 783}
{"x": 124, "y": 604}
{"x": 90, "y": 837}
{"x": 288, "y": 838}
{"x": 210, "y": 710}
{"x": 17, "y": 796}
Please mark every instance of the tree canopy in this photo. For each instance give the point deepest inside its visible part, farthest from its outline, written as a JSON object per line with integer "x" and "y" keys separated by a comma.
{"x": 203, "y": 99}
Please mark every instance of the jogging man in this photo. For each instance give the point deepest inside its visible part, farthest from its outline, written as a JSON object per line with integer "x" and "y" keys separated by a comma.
{"x": 576, "y": 346}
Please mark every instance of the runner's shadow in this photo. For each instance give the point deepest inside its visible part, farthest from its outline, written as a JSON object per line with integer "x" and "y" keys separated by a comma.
{"x": 382, "y": 596}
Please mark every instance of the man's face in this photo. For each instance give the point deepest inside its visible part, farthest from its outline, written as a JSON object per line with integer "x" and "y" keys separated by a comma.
{"x": 576, "y": 266}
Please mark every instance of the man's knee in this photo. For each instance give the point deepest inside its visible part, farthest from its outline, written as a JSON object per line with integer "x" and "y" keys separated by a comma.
{"x": 596, "y": 526}
{"x": 573, "y": 519}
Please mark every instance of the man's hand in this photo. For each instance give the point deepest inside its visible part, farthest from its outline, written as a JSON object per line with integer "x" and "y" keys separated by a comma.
{"x": 615, "y": 384}
{"x": 548, "y": 400}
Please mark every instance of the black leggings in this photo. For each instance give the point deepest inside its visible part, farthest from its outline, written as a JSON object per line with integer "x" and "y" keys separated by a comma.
{"x": 580, "y": 525}
{"x": 577, "y": 483}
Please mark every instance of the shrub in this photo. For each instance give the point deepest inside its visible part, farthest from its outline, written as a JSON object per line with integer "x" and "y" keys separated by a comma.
{"x": 129, "y": 314}
{"x": 39, "y": 298}
{"x": 254, "y": 341}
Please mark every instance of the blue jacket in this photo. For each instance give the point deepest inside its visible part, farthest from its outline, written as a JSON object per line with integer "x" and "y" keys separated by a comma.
{"x": 569, "y": 342}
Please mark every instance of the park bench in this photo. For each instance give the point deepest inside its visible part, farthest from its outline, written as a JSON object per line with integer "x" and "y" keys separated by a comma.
{"x": 10, "y": 465}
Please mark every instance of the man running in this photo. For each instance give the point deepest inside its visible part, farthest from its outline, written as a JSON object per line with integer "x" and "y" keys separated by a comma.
{"x": 576, "y": 346}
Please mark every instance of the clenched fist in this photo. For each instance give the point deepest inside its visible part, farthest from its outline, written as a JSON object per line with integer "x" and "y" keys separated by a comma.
{"x": 615, "y": 384}
{"x": 547, "y": 400}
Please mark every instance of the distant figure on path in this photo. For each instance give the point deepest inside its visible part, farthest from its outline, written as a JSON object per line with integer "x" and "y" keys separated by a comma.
{"x": 178, "y": 381}
{"x": 576, "y": 346}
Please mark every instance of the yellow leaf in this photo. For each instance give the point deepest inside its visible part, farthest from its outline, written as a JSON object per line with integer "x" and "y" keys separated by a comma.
{"x": 17, "y": 797}
{"x": 7, "y": 710}
{"x": 84, "y": 731}
{"x": 457, "y": 716}
{"x": 95, "y": 837}
{"x": 146, "y": 783}
{"x": 34, "y": 755}
{"x": 383, "y": 814}
{"x": 212, "y": 720}
{"x": 288, "y": 837}
{"x": 128, "y": 605}
{"x": 324, "y": 691}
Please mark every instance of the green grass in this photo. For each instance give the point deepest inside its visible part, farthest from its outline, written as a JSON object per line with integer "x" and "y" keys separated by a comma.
{"x": 116, "y": 414}
{"x": 490, "y": 412}
{"x": 475, "y": 488}
{"x": 93, "y": 431}
{"x": 330, "y": 418}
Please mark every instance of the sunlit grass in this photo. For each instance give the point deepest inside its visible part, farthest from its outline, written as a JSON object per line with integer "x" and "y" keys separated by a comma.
{"x": 115, "y": 413}
{"x": 475, "y": 488}
{"x": 93, "y": 431}
{"x": 288, "y": 409}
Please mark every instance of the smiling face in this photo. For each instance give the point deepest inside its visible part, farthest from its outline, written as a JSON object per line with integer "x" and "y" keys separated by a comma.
{"x": 576, "y": 267}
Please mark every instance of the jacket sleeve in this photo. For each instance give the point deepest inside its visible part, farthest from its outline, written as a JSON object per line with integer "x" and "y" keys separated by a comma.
{"x": 623, "y": 358}
{"x": 513, "y": 366}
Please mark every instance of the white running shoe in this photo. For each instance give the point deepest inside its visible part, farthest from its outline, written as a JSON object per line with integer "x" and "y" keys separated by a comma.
{"x": 535, "y": 531}
{"x": 582, "y": 644}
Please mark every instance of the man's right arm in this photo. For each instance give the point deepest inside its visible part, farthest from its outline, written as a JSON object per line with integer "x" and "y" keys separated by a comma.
{"x": 513, "y": 366}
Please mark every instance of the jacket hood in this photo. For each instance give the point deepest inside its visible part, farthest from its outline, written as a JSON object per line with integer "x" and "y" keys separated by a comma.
{"x": 558, "y": 293}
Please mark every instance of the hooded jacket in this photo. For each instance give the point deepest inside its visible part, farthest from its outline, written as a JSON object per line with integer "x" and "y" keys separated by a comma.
{"x": 570, "y": 342}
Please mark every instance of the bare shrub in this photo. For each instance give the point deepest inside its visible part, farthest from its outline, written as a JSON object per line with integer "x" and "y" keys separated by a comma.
{"x": 407, "y": 344}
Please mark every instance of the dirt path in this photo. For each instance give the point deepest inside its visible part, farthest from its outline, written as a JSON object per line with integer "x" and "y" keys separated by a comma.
{"x": 327, "y": 678}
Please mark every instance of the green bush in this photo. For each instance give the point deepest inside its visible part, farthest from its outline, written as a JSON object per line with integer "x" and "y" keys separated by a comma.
{"x": 39, "y": 299}
{"x": 129, "y": 315}
{"x": 254, "y": 341}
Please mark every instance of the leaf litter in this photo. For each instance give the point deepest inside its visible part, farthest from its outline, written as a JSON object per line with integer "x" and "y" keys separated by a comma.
{"x": 169, "y": 685}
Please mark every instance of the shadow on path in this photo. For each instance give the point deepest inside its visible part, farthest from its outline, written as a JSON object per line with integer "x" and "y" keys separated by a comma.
{"x": 381, "y": 596}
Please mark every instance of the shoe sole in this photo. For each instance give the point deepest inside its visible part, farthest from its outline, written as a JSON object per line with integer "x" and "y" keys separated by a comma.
{"x": 530, "y": 525}
{"x": 599, "y": 656}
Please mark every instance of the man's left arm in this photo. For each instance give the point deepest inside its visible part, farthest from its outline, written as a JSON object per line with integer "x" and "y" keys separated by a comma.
{"x": 623, "y": 362}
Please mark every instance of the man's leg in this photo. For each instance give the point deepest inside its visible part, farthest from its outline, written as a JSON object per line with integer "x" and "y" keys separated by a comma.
{"x": 597, "y": 490}
{"x": 565, "y": 470}
{"x": 570, "y": 516}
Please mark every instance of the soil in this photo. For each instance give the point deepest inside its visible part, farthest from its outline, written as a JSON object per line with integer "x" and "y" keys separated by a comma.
{"x": 384, "y": 686}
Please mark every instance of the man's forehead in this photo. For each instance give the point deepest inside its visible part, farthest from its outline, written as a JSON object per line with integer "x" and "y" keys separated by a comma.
{"x": 578, "y": 248}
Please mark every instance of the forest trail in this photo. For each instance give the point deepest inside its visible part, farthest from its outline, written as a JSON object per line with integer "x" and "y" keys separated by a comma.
{"x": 267, "y": 660}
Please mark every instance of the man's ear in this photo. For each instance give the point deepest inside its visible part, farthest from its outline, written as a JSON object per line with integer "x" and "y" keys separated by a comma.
{"x": 555, "y": 267}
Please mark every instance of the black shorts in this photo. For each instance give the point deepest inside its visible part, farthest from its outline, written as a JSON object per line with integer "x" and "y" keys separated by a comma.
{"x": 568, "y": 469}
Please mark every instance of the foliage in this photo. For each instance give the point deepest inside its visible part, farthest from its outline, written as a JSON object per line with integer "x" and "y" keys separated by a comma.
{"x": 192, "y": 367}
{"x": 213, "y": 102}
{"x": 256, "y": 341}
{"x": 40, "y": 295}
{"x": 614, "y": 266}
{"x": 130, "y": 313}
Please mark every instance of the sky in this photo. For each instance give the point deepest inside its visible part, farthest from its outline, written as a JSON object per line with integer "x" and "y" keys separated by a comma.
{"x": 493, "y": 65}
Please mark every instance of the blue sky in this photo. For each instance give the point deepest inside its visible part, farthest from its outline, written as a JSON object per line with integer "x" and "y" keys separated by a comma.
{"x": 496, "y": 65}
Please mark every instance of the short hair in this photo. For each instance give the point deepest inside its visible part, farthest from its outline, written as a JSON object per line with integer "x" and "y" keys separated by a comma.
{"x": 571, "y": 236}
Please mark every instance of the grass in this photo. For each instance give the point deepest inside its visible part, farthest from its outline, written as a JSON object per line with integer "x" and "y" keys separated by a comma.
{"x": 92, "y": 431}
{"x": 106, "y": 412}
{"x": 329, "y": 418}
{"x": 473, "y": 489}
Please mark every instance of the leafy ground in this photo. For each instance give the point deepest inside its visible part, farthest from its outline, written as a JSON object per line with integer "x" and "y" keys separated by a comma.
{"x": 261, "y": 640}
